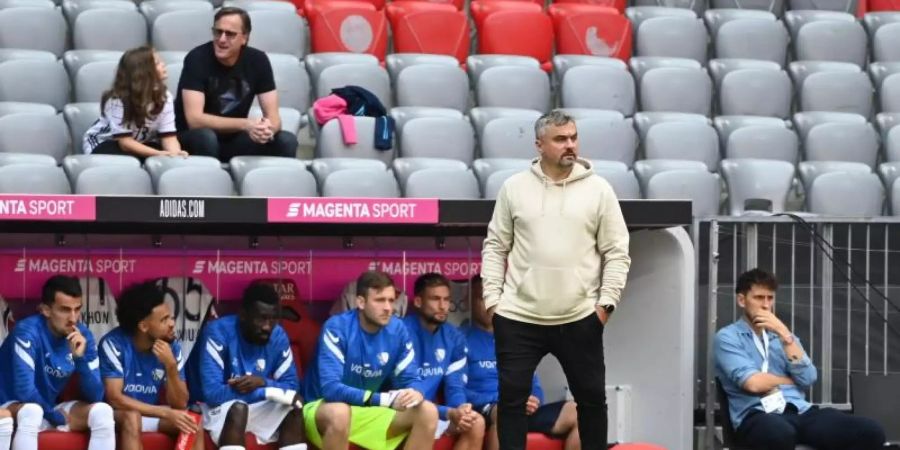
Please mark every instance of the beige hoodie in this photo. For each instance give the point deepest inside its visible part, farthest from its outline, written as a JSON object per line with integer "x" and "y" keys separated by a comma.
{"x": 554, "y": 250}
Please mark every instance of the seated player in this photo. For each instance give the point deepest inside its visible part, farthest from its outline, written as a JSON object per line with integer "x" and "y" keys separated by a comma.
{"x": 441, "y": 353}
{"x": 243, "y": 374}
{"x": 360, "y": 353}
{"x": 6, "y": 428}
{"x": 140, "y": 358}
{"x": 558, "y": 419}
{"x": 40, "y": 356}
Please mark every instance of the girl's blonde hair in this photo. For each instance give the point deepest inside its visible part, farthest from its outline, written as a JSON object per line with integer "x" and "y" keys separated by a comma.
{"x": 138, "y": 87}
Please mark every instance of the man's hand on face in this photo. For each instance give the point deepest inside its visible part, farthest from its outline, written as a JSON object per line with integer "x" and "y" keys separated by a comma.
{"x": 163, "y": 352}
{"x": 77, "y": 343}
{"x": 769, "y": 322}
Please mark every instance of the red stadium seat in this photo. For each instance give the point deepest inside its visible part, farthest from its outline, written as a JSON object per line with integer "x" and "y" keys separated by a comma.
{"x": 456, "y": 4}
{"x": 481, "y": 9}
{"x": 395, "y": 10}
{"x": 312, "y": 4}
{"x": 517, "y": 32}
{"x": 438, "y": 29}
{"x": 348, "y": 27}
{"x": 591, "y": 30}
{"x": 883, "y": 5}
{"x": 59, "y": 440}
{"x": 314, "y": 7}
{"x": 618, "y": 5}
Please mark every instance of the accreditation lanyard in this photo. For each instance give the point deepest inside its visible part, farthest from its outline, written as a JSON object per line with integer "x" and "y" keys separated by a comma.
{"x": 763, "y": 348}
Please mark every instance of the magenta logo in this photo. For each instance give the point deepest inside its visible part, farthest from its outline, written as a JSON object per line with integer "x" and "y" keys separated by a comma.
{"x": 353, "y": 210}
{"x": 48, "y": 207}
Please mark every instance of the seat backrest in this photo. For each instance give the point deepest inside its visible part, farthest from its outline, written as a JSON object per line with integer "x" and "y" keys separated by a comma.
{"x": 279, "y": 31}
{"x": 599, "y": 87}
{"x": 720, "y": 67}
{"x": 810, "y": 170}
{"x": 79, "y": 117}
{"x": 646, "y": 169}
{"x": 514, "y": 32}
{"x": 75, "y": 59}
{"x": 433, "y": 85}
{"x": 195, "y": 180}
{"x": 676, "y": 90}
{"x": 892, "y": 145}
{"x": 26, "y": 158}
{"x": 624, "y": 184}
{"x": 439, "y": 137}
{"x": 562, "y": 63}
{"x": 495, "y": 181}
{"x": 639, "y": 14}
{"x": 679, "y": 37}
{"x": 753, "y": 39}
{"x": 725, "y": 125}
{"x": 331, "y": 143}
{"x": 113, "y": 180}
{"x": 93, "y": 79}
{"x": 404, "y": 114}
{"x": 74, "y": 165}
{"x": 756, "y": 92}
{"x": 701, "y": 187}
{"x": 642, "y": 64}
{"x": 35, "y": 133}
{"x": 291, "y": 80}
{"x": 18, "y": 25}
{"x": 485, "y": 167}
{"x": 716, "y": 17}
{"x": 805, "y": 121}
{"x": 398, "y": 62}
{"x": 316, "y": 63}
{"x": 323, "y": 167}
{"x": 283, "y": 181}
{"x": 683, "y": 140}
{"x": 842, "y": 142}
{"x": 110, "y": 29}
{"x": 890, "y": 93}
{"x": 151, "y": 9}
{"x": 9, "y": 54}
{"x": 800, "y": 70}
{"x": 364, "y": 183}
{"x": 371, "y": 77}
{"x": 591, "y": 30}
{"x": 797, "y": 18}
{"x": 514, "y": 87}
{"x": 477, "y": 64}
{"x": 508, "y": 137}
{"x": 868, "y": 393}
{"x": 181, "y": 29}
{"x": 35, "y": 81}
{"x": 442, "y": 184}
{"x": 607, "y": 139}
{"x": 837, "y": 91}
{"x": 33, "y": 179}
{"x": 342, "y": 28}
{"x": 481, "y": 116}
{"x": 757, "y": 179}
{"x": 883, "y": 48}
{"x": 25, "y": 107}
{"x": 157, "y": 165}
{"x": 832, "y": 40}
{"x": 881, "y": 70}
{"x": 240, "y": 166}
{"x": 763, "y": 142}
{"x": 434, "y": 31}
{"x": 404, "y": 167}
{"x": 853, "y": 194}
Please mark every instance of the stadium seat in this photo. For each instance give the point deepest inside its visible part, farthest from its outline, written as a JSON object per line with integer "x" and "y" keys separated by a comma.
{"x": 80, "y": 117}
{"x": 757, "y": 179}
{"x": 607, "y": 139}
{"x": 49, "y": 4}
{"x": 514, "y": 87}
{"x": 481, "y": 116}
{"x": 832, "y": 40}
{"x": 279, "y": 31}
{"x": 702, "y": 188}
{"x": 439, "y": 86}
{"x": 24, "y": 107}
{"x": 330, "y": 143}
{"x": 151, "y": 9}
{"x": 93, "y": 79}
{"x": 624, "y": 184}
{"x": 591, "y": 113}
{"x": 404, "y": 167}
{"x": 892, "y": 145}
{"x": 599, "y": 87}
{"x": 495, "y": 181}
{"x": 485, "y": 167}
{"x": 883, "y": 5}
{"x": 18, "y": 25}
{"x": 508, "y": 137}
{"x": 365, "y": 183}
{"x": 842, "y": 142}
{"x": 443, "y": 184}
{"x": 847, "y": 6}
{"x": 683, "y": 140}
{"x": 397, "y": 62}
{"x": 725, "y": 125}
{"x": 262, "y": 5}
{"x": 114, "y": 180}
{"x": 698, "y": 7}
{"x": 73, "y": 8}
{"x": 604, "y": 164}
{"x": 805, "y": 121}
{"x": 514, "y": 32}
{"x": 674, "y": 37}
{"x": 158, "y": 165}
{"x": 754, "y": 39}
{"x": 438, "y": 137}
{"x": 756, "y": 92}
{"x": 323, "y": 167}
{"x": 372, "y": 77}
{"x": 886, "y": 121}
{"x": 798, "y": 18}
{"x": 33, "y": 179}
{"x": 172, "y": 56}
{"x": 34, "y": 133}
{"x": 26, "y": 158}
{"x": 646, "y": 169}
{"x": 800, "y": 70}
{"x": 878, "y": 71}
{"x": 643, "y": 121}
{"x": 195, "y": 181}
{"x": 240, "y": 166}
{"x": 720, "y": 67}
{"x": 591, "y": 30}
{"x": 181, "y": 29}
{"x": 430, "y": 31}
{"x": 642, "y": 64}
{"x": 348, "y": 27}
{"x": 889, "y": 94}
{"x": 618, "y": 5}
{"x": 763, "y": 142}
{"x": 477, "y": 64}
{"x": 403, "y": 114}
{"x": 9, "y": 54}
{"x": 110, "y": 29}
{"x": 174, "y": 75}
{"x": 291, "y": 81}
{"x": 280, "y": 181}
{"x": 874, "y": 20}
{"x": 316, "y": 63}
{"x": 810, "y": 170}
{"x": 676, "y": 90}
{"x": 74, "y": 165}
{"x": 717, "y": 17}
{"x": 889, "y": 172}
{"x": 851, "y": 194}
{"x": 480, "y": 10}
{"x": 837, "y": 92}
{"x": 639, "y": 14}
{"x": 562, "y": 63}
{"x": 75, "y": 59}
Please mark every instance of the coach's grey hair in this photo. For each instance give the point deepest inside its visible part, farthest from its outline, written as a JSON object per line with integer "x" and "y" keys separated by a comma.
{"x": 555, "y": 118}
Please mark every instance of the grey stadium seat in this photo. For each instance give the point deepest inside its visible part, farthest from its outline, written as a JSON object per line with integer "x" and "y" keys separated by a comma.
{"x": 433, "y": 85}
{"x": 195, "y": 180}
{"x": 514, "y": 87}
{"x": 158, "y": 165}
{"x": 240, "y": 166}
{"x": 890, "y": 94}
{"x": 75, "y": 165}
{"x": 262, "y": 5}
{"x": 276, "y": 31}
{"x": 364, "y": 183}
{"x": 398, "y": 62}
{"x": 757, "y": 179}
{"x": 31, "y": 3}
{"x": 719, "y": 16}
{"x": 892, "y": 145}
{"x": 110, "y": 29}
{"x": 404, "y": 167}
{"x": 18, "y": 25}
{"x": 322, "y": 168}
{"x": 34, "y": 133}
{"x": 798, "y": 18}
{"x": 810, "y": 170}
{"x": 477, "y": 64}
{"x": 643, "y": 121}
{"x": 34, "y": 81}
{"x": 881, "y": 70}
{"x": 282, "y": 181}
{"x": 694, "y": 5}
{"x": 72, "y": 9}
{"x": 26, "y": 158}
{"x": 800, "y": 70}
{"x": 508, "y": 137}
{"x": 754, "y": 39}
{"x": 852, "y": 194}
{"x": 624, "y": 184}
{"x": 330, "y": 143}
{"x": 438, "y": 137}
{"x": 832, "y": 40}
{"x": 562, "y": 63}
{"x": 889, "y": 172}
{"x": 316, "y": 63}
{"x": 805, "y": 121}
{"x": 114, "y": 180}
{"x": 646, "y": 169}
{"x": 702, "y": 188}
{"x": 151, "y": 9}
{"x": 74, "y": 60}
{"x": 442, "y": 184}
{"x": 725, "y": 125}
{"x": 886, "y": 121}
{"x": 599, "y": 87}
{"x": 485, "y": 167}
{"x": 676, "y": 90}
{"x": 372, "y": 77}
{"x": 884, "y": 44}
{"x": 33, "y": 179}
{"x": 756, "y": 92}
{"x": 291, "y": 81}
{"x": 639, "y": 14}
{"x": 9, "y": 54}
{"x": 830, "y": 5}
{"x": 678, "y": 37}
{"x": 481, "y": 116}
{"x": 25, "y": 107}
{"x": 606, "y": 139}
{"x": 495, "y": 181}
{"x": 720, "y": 67}
{"x": 173, "y": 56}
{"x": 403, "y": 114}
{"x": 642, "y": 64}
{"x": 763, "y": 142}
{"x": 683, "y": 140}
{"x": 874, "y": 20}
{"x": 604, "y": 164}
{"x": 592, "y": 113}
{"x": 773, "y": 6}
{"x": 174, "y": 75}
{"x": 181, "y": 30}
{"x": 93, "y": 79}
{"x": 837, "y": 92}
{"x": 842, "y": 142}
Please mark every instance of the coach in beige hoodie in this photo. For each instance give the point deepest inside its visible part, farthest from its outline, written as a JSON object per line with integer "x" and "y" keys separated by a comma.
{"x": 554, "y": 265}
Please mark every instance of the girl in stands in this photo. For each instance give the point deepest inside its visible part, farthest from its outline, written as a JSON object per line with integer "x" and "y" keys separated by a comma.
{"x": 137, "y": 114}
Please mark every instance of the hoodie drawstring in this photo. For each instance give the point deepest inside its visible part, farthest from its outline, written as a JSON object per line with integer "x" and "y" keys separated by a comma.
{"x": 562, "y": 203}
{"x": 543, "y": 194}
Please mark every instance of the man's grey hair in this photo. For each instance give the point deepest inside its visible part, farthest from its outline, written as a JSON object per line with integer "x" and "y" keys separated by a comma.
{"x": 555, "y": 118}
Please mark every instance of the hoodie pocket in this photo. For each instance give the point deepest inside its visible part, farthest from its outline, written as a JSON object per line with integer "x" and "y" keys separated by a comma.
{"x": 551, "y": 291}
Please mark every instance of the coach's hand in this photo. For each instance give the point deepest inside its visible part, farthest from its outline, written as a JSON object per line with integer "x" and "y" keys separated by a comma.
{"x": 532, "y": 405}
{"x": 77, "y": 343}
{"x": 246, "y": 383}
{"x": 602, "y": 314}
{"x": 183, "y": 421}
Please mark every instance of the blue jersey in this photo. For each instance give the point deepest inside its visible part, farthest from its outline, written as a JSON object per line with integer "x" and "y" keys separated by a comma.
{"x": 352, "y": 365}
{"x": 38, "y": 365}
{"x": 222, "y": 353}
{"x": 441, "y": 357}
{"x": 142, "y": 373}
{"x": 483, "y": 383}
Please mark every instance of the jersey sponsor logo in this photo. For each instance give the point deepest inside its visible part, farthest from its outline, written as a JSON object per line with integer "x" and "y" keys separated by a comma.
{"x": 383, "y": 358}
{"x": 365, "y": 372}
{"x": 140, "y": 389}
{"x": 56, "y": 372}
{"x": 427, "y": 372}
{"x": 487, "y": 364}
{"x": 439, "y": 354}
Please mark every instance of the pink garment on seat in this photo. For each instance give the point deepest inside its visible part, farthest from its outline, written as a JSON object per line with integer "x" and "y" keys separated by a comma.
{"x": 335, "y": 107}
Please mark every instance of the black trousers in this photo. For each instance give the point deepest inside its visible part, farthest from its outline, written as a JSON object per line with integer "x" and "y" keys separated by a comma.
{"x": 579, "y": 348}
{"x": 822, "y": 429}
{"x": 206, "y": 142}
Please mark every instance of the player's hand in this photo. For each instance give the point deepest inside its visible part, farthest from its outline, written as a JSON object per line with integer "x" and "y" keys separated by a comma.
{"x": 287, "y": 397}
{"x": 532, "y": 405}
{"x": 77, "y": 343}
{"x": 183, "y": 421}
{"x": 163, "y": 352}
{"x": 407, "y": 398}
{"x": 464, "y": 415}
{"x": 770, "y": 322}
{"x": 246, "y": 383}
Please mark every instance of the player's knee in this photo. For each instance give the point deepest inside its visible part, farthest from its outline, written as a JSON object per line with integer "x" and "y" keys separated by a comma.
{"x": 333, "y": 418}
{"x": 237, "y": 416}
{"x": 5, "y": 414}
{"x": 101, "y": 417}
{"x": 29, "y": 417}
{"x": 129, "y": 422}
{"x": 427, "y": 414}
{"x": 479, "y": 424}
